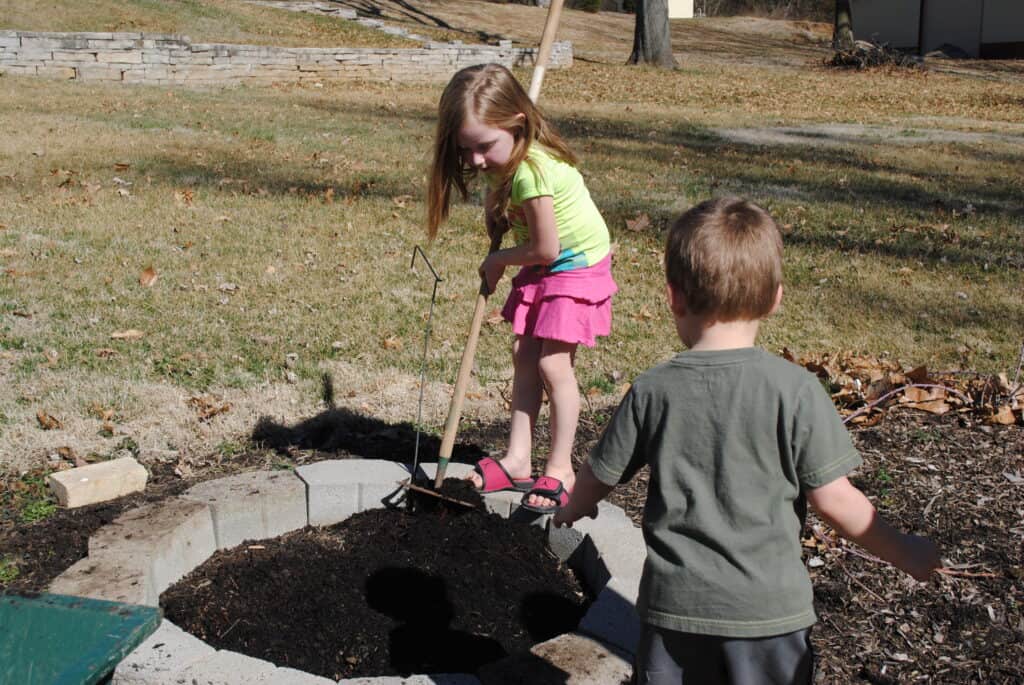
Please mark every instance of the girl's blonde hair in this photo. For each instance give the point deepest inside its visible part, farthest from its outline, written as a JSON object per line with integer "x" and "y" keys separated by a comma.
{"x": 491, "y": 94}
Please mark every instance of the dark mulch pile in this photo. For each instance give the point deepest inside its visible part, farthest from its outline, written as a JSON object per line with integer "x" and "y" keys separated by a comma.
{"x": 442, "y": 589}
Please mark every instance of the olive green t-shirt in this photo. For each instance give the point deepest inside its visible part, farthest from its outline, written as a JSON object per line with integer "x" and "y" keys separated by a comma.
{"x": 733, "y": 439}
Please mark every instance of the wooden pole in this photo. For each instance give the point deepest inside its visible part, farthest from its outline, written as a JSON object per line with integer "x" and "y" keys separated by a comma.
{"x": 451, "y": 424}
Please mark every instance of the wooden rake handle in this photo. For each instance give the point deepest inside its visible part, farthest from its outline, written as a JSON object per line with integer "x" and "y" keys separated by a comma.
{"x": 451, "y": 425}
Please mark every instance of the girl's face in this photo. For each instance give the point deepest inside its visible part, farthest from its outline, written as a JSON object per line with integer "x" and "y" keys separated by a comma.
{"x": 483, "y": 147}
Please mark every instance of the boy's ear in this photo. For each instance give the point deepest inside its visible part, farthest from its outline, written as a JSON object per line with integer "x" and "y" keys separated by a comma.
{"x": 778, "y": 300}
{"x": 676, "y": 300}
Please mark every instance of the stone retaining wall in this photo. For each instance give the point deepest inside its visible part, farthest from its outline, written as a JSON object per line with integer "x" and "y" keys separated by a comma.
{"x": 163, "y": 59}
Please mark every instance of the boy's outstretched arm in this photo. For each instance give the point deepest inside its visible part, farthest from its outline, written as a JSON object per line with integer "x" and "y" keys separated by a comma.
{"x": 846, "y": 509}
{"x": 587, "y": 492}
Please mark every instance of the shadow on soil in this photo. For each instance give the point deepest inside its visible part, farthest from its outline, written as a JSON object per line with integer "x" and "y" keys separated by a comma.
{"x": 424, "y": 641}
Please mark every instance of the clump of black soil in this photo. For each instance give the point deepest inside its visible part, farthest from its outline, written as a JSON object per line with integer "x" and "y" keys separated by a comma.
{"x": 435, "y": 587}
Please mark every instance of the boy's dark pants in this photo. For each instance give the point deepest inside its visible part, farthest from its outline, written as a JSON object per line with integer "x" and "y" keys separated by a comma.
{"x": 667, "y": 657}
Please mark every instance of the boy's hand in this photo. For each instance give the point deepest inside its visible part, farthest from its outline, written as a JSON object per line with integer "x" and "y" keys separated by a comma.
{"x": 565, "y": 517}
{"x": 920, "y": 557}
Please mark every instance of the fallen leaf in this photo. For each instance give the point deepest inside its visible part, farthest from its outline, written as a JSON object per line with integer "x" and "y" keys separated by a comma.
{"x": 124, "y": 192}
{"x": 638, "y": 224}
{"x": 105, "y": 353}
{"x": 227, "y": 287}
{"x": 923, "y": 394}
{"x": 918, "y": 375}
{"x": 183, "y": 198}
{"x": 208, "y": 407}
{"x": 1003, "y": 416}
{"x": 931, "y": 406}
{"x": 121, "y": 166}
{"x": 130, "y": 334}
{"x": 47, "y": 422}
{"x": 271, "y": 269}
{"x": 51, "y": 357}
{"x": 391, "y": 343}
{"x": 148, "y": 277}
{"x": 401, "y": 200}
{"x": 495, "y": 317}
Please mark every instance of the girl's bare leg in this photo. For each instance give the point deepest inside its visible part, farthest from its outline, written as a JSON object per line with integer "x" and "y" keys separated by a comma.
{"x": 557, "y": 362}
{"x": 526, "y": 400}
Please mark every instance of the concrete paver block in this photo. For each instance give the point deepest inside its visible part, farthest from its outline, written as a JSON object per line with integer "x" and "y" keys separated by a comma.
{"x": 583, "y": 544}
{"x": 289, "y": 676}
{"x": 98, "y": 482}
{"x": 117, "y": 578}
{"x": 253, "y": 506}
{"x": 451, "y": 471}
{"x": 623, "y": 553}
{"x": 569, "y": 659}
{"x": 161, "y": 657}
{"x": 612, "y": 618}
{"x": 228, "y": 668}
{"x": 176, "y": 534}
{"x": 338, "y": 488}
{"x": 437, "y": 679}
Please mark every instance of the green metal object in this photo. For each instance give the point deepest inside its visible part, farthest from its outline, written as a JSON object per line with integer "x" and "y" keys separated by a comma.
{"x": 62, "y": 640}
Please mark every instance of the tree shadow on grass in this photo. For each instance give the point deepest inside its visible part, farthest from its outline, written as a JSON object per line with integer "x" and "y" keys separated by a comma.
{"x": 350, "y": 434}
{"x": 868, "y": 183}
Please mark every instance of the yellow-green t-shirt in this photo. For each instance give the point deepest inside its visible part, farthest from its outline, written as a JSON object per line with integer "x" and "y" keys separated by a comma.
{"x": 582, "y": 234}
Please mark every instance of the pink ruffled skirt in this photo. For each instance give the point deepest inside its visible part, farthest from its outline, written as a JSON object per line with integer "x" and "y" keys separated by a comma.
{"x": 571, "y": 306}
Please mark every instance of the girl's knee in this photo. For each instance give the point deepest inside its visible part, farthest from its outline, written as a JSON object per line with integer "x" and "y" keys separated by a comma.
{"x": 556, "y": 370}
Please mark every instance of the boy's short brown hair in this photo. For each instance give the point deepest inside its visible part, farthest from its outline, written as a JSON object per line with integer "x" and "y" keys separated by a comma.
{"x": 725, "y": 257}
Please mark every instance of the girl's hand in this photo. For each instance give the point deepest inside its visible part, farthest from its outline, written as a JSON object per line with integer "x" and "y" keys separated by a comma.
{"x": 491, "y": 271}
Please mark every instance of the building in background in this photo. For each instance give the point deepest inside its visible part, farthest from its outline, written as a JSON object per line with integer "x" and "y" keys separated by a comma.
{"x": 680, "y": 9}
{"x": 990, "y": 29}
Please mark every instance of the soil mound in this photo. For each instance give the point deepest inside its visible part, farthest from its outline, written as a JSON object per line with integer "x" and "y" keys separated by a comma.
{"x": 437, "y": 587}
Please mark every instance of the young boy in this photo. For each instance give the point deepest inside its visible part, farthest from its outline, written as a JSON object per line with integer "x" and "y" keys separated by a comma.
{"x": 738, "y": 441}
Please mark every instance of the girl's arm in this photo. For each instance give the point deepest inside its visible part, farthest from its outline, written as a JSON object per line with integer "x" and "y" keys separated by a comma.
{"x": 846, "y": 509}
{"x": 542, "y": 248}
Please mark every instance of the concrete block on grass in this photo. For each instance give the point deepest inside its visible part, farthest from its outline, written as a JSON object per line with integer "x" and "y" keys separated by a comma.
{"x": 99, "y": 482}
{"x": 161, "y": 657}
{"x": 253, "y": 506}
{"x": 176, "y": 534}
{"x": 338, "y": 488}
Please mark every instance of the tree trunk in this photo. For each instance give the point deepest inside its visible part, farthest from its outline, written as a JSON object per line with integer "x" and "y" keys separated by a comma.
{"x": 652, "y": 41}
{"x": 842, "y": 34}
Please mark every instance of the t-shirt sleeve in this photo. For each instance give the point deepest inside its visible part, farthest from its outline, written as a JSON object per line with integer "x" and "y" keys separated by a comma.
{"x": 530, "y": 181}
{"x": 618, "y": 455}
{"x": 822, "y": 449}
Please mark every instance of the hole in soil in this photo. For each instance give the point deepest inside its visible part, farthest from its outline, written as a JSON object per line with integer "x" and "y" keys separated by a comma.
{"x": 435, "y": 587}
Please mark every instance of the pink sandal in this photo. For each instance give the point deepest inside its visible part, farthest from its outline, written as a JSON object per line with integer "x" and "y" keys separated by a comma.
{"x": 549, "y": 487}
{"x": 496, "y": 479}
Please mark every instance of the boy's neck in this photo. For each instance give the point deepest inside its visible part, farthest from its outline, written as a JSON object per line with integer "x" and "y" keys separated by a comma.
{"x": 721, "y": 335}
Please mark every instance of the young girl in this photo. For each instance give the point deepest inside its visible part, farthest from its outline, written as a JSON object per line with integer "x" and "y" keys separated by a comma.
{"x": 561, "y": 297}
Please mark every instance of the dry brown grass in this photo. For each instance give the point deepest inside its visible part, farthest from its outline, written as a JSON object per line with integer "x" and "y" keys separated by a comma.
{"x": 308, "y": 201}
